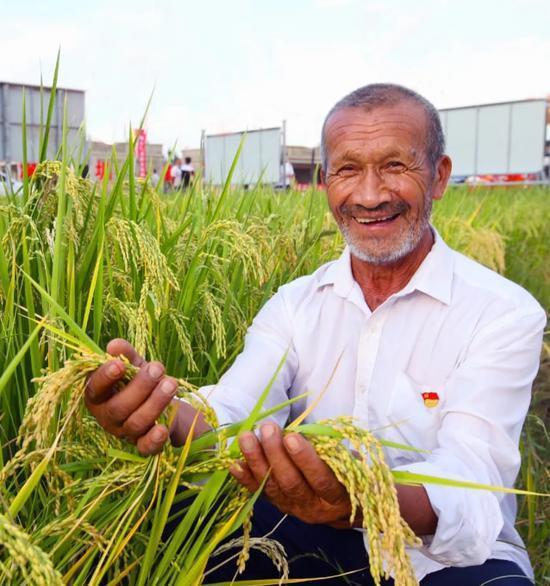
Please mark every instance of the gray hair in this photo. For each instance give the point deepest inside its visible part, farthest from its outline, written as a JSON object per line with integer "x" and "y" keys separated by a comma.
{"x": 373, "y": 95}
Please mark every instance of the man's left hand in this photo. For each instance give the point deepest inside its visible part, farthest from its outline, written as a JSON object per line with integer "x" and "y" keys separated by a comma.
{"x": 299, "y": 483}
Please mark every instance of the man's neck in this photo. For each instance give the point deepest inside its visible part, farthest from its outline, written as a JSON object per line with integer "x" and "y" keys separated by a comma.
{"x": 378, "y": 282}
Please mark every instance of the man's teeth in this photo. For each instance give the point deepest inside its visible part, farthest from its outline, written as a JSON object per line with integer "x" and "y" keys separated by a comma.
{"x": 372, "y": 220}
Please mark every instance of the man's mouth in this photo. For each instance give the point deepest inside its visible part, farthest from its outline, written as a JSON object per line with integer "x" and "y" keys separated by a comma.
{"x": 376, "y": 220}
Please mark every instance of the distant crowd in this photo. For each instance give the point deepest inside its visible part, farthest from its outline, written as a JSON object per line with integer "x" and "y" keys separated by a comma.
{"x": 179, "y": 175}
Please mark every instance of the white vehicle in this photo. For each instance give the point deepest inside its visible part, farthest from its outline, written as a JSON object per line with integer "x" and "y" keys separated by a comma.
{"x": 9, "y": 186}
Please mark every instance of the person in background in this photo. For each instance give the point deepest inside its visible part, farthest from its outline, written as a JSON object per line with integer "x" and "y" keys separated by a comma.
{"x": 176, "y": 174}
{"x": 155, "y": 178}
{"x": 187, "y": 173}
{"x": 168, "y": 178}
{"x": 289, "y": 175}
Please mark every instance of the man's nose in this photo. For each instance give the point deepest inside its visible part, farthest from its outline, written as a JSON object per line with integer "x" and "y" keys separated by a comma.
{"x": 370, "y": 190}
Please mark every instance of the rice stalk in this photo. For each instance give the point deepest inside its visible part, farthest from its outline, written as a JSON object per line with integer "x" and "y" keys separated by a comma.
{"x": 371, "y": 489}
{"x": 367, "y": 479}
{"x": 21, "y": 561}
{"x": 271, "y": 548}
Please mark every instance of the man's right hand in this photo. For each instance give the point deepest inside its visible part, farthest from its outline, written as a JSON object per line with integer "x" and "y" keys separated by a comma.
{"x": 131, "y": 412}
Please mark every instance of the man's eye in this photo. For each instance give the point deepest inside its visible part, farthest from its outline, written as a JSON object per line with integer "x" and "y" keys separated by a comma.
{"x": 395, "y": 166}
{"x": 346, "y": 170}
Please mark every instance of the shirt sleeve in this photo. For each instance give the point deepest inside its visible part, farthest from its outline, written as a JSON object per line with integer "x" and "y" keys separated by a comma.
{"x": 267, "y": 347}
{"x": 487, "y": 398}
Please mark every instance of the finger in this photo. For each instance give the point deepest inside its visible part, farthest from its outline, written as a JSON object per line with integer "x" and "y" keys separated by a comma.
{"x": 288, "y": 476}
{"x": 126, "y": 401}
{"x": 118, "y": 347}
{"x": 257, "y": 462}
{"x": 186, "y": 418}
{"x": 102, "y": 383}
{"x": 241, "y": 472}
{"x": 153, "y": 441}
{"x": 318, "y": 475}
{"x": 144, "y": 417}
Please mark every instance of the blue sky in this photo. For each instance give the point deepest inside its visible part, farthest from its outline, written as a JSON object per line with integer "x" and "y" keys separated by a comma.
{"x": 239, "y": 64}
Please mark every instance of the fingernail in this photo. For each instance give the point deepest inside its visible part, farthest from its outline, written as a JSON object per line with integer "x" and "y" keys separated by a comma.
{"x": 236, "y": 469}
{"x": 293, "y": 443}
{"x": 247, "y": 443}
{"x": 157, "y": 435}
{"x": 267, "y": 430}
{"x": 168, "y": 387}
{"x": 155, "y": 370}
{"x": 114, "y": 370}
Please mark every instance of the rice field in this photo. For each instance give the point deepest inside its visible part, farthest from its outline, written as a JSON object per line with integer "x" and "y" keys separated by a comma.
{"x": 181, "y": 275}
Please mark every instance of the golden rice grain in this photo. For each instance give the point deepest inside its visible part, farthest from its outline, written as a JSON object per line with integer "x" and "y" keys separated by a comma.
{"x": 369, "y": 483}
{"x": 22, "y": 562}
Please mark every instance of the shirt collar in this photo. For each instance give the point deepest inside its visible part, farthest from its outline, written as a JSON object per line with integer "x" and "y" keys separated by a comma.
{"x": 433, "y": 277}
{"x": 339, "y": 274}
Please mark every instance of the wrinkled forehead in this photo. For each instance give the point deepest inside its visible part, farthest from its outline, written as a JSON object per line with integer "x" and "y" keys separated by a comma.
{"x": 399, "y": 126}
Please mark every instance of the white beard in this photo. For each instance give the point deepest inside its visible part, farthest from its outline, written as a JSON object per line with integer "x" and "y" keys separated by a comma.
{"x": 403, "y": 248}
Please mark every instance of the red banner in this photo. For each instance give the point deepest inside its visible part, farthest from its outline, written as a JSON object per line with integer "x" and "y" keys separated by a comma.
{"x": 141, "y": 152}
{"x": 100, "y": 169}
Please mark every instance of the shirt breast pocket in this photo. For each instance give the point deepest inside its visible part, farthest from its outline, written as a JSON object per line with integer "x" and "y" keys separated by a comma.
{"x": 414, "y": 411}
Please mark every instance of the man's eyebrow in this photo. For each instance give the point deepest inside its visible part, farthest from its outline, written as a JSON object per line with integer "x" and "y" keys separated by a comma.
{"x": 393, "y": 153}
{"x": 349, "y": 155}
{"x": 405, "y": 155}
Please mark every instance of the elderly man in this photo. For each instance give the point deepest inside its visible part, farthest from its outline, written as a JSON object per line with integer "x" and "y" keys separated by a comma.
{"x": 432, "y": 348}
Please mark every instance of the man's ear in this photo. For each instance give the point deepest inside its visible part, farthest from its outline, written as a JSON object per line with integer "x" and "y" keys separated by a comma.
{"x": 442, "y": 175}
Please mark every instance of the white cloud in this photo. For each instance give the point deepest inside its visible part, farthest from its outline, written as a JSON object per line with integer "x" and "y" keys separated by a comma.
{"x": 333, "y": 3}
{"x": 508, "y": 70}
{"x": 21, "y": 62}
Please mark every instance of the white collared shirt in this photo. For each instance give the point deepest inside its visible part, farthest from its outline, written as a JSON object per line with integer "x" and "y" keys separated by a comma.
{"x": 458, "y": 330}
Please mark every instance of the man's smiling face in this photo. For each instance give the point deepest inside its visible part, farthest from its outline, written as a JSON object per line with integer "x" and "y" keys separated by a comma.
{"x": 380, "y": 183}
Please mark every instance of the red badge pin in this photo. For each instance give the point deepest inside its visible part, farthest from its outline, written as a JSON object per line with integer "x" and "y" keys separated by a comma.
{"x": 430, "y": 399}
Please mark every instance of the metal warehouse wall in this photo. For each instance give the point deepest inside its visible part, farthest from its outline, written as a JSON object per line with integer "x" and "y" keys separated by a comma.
{"x": 303, "y": 159}
{"x": 11, "y": 113}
